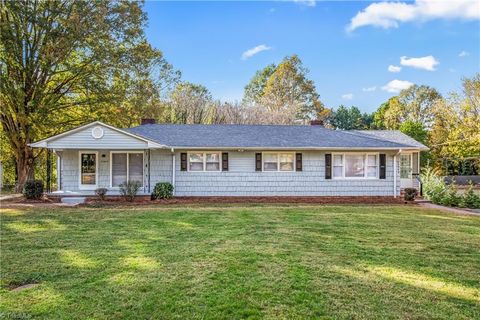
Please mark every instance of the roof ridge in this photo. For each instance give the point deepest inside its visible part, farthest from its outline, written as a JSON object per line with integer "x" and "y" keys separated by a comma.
{"x": 234, "y": 124}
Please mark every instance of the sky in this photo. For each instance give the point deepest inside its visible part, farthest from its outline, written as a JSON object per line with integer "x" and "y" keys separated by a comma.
{"x": 357, "y": 53}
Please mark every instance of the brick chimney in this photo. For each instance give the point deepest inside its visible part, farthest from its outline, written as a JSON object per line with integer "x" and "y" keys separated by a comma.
{"x": 148, "y": 121}
{"x": 316, "y": 122}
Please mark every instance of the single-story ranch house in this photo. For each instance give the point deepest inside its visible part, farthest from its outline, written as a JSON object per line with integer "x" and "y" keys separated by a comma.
{"x": 236, "y": 160}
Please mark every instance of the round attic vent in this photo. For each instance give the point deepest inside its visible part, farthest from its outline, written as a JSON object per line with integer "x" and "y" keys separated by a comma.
{"x": 97, "y": 132}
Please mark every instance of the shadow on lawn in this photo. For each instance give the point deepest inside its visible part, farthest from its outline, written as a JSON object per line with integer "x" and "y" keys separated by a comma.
{"x": 261, "y": 262}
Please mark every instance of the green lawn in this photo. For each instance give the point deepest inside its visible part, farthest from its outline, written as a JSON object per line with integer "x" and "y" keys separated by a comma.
{"x": 345, "y": 262}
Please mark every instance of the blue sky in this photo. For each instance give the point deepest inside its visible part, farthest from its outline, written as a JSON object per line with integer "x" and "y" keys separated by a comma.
{"x": 206, "y": 40}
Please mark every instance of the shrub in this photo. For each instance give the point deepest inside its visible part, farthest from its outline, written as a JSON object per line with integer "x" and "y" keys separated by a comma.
{"x": 410, "y": 194}
{"x": 129, "y": 190}
{"x": 162, "y": 190}
{"x": 33, "y": 189}
{"x": 434, "y": 186}
{"x": 470, "y": 199}
{"x": 450, "y": 197}
{"x": 101, "y": 192}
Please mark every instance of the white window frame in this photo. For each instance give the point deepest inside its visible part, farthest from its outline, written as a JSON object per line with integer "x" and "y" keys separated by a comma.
{"x": 278, "y": 161}
{"x": 205, "y": 161}
{"x": 410, "y": 156}
{"x": 365, "y": 163}
{"x": 87, "y": 186}
{"x": 128, "y": 167}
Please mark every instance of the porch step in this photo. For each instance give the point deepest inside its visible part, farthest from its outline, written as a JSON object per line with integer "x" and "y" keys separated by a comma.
{"x": 73, "y": 200}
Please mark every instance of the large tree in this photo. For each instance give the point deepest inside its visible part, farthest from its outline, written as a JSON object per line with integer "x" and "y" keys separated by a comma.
{"x": 350, "y": 118}
{"x": 414, "y": 104}
{"x": 65, "y": 62}
{"x": 286, "y": 92}
{"x": 255, "y": 89}
{"x": 190, "y": 103}
{"x": 455, "y": 132}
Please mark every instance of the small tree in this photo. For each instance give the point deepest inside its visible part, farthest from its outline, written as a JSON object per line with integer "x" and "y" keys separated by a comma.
{"x": 101, "y": 193}
{"x": 129, "y": 190}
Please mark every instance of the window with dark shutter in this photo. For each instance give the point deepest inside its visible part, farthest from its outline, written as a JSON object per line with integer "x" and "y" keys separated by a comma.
{"x": 328, "y": 166}
{"x": 225, "y": 161}
{"x": 258, "y": 162}
{"x": 298, "y": 162}
{"x": 383, "y": 166}
{"x": 183, "y": 161}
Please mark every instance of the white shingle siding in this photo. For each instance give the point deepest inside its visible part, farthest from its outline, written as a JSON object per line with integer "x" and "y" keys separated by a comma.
{"x": 241, "y": 179}
{"x": 111, "y": 139}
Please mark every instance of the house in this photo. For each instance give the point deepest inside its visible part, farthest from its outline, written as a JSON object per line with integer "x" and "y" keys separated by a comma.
{"x": 236, "y": 160}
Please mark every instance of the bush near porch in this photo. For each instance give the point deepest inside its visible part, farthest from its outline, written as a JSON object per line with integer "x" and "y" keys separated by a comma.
{"x": 436, "y": 190}
{"x": 262, "y": 261}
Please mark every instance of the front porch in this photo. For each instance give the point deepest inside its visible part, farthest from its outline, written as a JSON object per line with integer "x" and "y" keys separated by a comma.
{"x": 101, "y": 156}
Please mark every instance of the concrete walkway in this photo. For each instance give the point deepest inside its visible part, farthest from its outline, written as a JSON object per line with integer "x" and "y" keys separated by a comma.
{"x": 10, "y": 196}
{"x": 450, "y": 209}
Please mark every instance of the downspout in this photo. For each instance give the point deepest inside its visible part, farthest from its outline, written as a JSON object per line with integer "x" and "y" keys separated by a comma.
{"x": 173, "y": 170}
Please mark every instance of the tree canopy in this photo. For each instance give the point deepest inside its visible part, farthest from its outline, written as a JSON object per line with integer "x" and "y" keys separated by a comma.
{"x": 285, "y": 89}
{"x": 65, "y": 62}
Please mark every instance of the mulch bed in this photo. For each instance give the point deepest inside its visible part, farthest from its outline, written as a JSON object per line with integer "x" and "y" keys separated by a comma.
{"x": 248, "y": 200}
{"x": 145, "y": 200}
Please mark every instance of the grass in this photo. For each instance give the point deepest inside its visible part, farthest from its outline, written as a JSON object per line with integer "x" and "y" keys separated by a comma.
{"x": 342, "y": 262}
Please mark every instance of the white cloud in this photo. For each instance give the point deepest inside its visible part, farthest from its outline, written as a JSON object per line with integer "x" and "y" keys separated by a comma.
{"x": 347, "y": 96}
{"x": 253, "y": 51}
{"x": 396, "y": 86}
{"x": 308, "y": 3}
{"x": 425, "y": 63}
{"x": 393, "y": 68}
{"x": 369, "y": 89}
{"x": 391, "y": 14}
{"x": 463, "y": 54}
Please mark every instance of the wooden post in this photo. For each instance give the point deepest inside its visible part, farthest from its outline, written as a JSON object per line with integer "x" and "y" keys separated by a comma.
{"x": 149, "y": 189}
{"x": 49, "y": 170}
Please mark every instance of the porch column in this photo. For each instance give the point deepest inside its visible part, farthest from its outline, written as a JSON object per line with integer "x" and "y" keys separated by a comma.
{"x": 148, "y": 170}
{"x": 59, "y": 171}
{"x": 49, "y": 170}
{"x": 395, "y": 176}
{"x": 173, "y": 170}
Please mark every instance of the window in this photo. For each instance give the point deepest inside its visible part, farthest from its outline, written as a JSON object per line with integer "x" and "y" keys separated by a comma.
{"x": 126, "y": 166}
{"x": 371, "y": 166}
{"x": 355, "y": 165}
{"x": 204, "y": 161}
{"x": 88, "y": 169}
{"x": 270, "y": 162}
{"x": 278, "y": 161}
{"x": 405, "y": 166}
{"x": 337, "y": 166}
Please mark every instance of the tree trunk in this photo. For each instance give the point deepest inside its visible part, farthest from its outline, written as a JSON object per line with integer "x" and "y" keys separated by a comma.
{"x": 25, "y": 169}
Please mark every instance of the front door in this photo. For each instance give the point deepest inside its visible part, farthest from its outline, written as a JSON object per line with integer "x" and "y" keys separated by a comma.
{"x": 406, "y": 168}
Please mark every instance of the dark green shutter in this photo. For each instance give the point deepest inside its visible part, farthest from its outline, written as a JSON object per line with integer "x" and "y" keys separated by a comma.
{"x": 183, "y": 161}
{"x": 298, "y": 160}
{"x": 328, "y": 166}
{"x": 383, "y": 166}
{"x": 225, "y": 161}
{"x": 258, "y": 162}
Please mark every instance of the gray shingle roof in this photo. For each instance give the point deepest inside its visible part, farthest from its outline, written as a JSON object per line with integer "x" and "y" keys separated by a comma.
{"x": 262, "y": 136}
{"x": 393, "y": 136}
